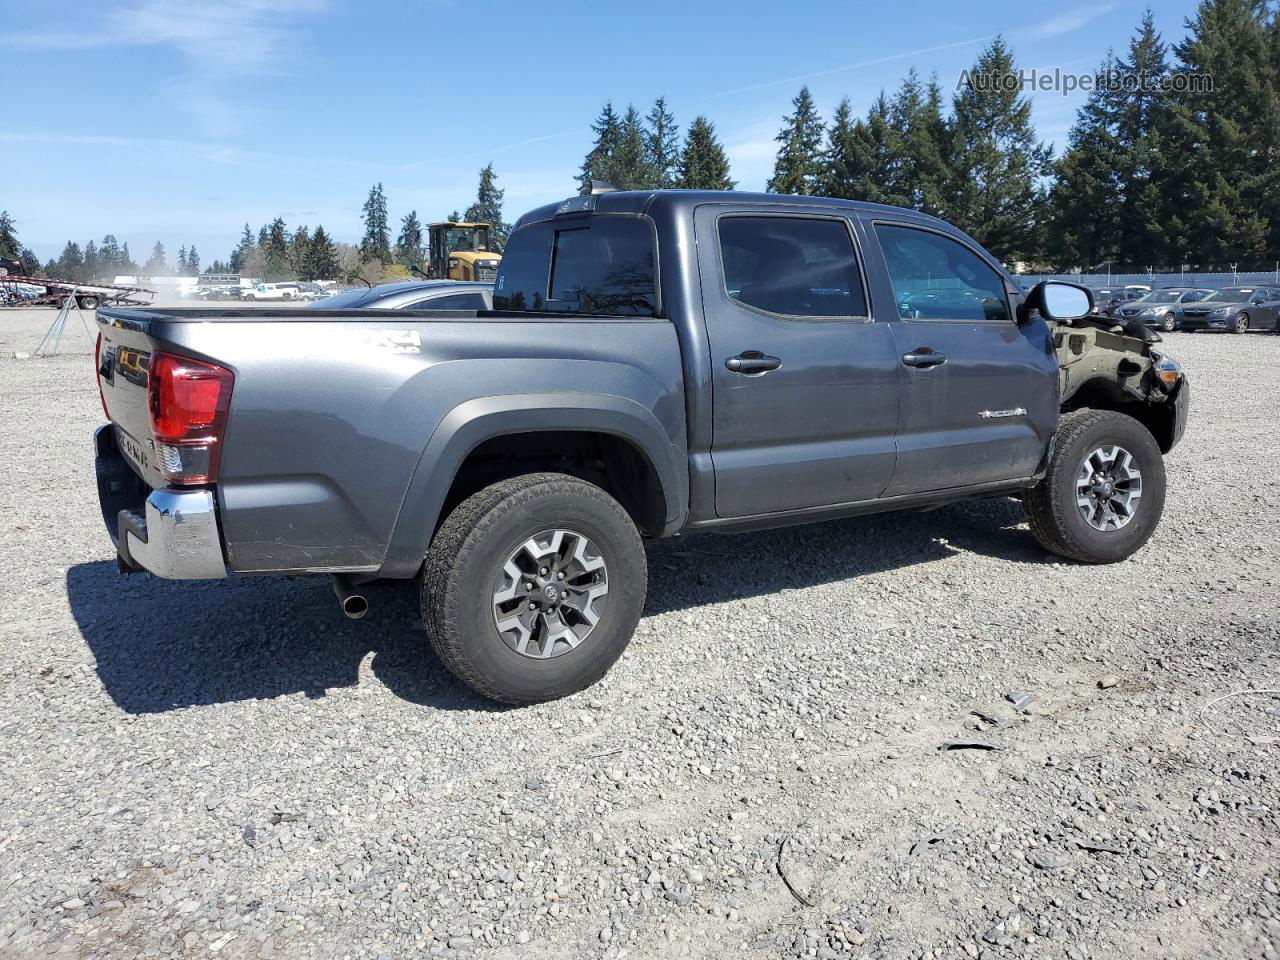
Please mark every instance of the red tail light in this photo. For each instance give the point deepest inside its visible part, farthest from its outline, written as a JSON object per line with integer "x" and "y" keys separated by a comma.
{"x": 188, "y": 401}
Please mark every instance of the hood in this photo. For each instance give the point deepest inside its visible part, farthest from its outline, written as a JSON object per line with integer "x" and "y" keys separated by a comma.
{"x": 1211, "y": 305}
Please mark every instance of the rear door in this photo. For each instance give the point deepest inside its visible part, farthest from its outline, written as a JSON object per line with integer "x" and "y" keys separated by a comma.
{"x": 979, "y": 392}
{"x": 804, "y": 379}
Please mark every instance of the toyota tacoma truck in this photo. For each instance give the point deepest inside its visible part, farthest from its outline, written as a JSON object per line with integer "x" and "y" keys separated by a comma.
{"x": 655, "y": 364}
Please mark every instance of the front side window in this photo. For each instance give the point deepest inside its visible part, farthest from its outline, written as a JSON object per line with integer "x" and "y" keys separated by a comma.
{"x": 937, "y": 278}
{"x": 793, "y": 266}
{"x": 601, "y": 266}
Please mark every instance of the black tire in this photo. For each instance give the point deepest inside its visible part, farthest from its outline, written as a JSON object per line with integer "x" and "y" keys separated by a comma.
{"x": 88, "y": 303}
{"x": 466, "y": 560}
{"x": 1057, "y": 521}
{"x": 1240, "y": 324}
{"x": 1167, "y": 323}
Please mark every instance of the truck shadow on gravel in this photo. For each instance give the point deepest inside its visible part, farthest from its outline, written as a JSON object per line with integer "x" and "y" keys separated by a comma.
{"x": 161, "y": 645}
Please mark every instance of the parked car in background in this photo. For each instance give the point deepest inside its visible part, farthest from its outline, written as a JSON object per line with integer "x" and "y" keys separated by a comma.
{"x": 1107, "y": 299}
{"x": 1161, "y": 308}
{"x": 273, "y": 291}
{"x": 1236, "y": 309}
{"x": 414, "y": 295}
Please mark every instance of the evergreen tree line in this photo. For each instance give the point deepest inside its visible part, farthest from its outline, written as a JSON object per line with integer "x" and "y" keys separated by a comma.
{"x": 645, "y": 153}
{"x": 411, "y": 248}
{"x": 95, "y": 262}
{"x": 1154, "y": 174}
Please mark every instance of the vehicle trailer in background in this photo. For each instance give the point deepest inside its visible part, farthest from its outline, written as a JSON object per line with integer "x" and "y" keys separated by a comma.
{"x": 19, "y": 291}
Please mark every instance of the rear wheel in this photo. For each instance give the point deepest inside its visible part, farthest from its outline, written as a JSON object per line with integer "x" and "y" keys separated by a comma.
{"x": 533, "y": 587}
{"x": 1103, "y": 494}
{"x": 89, "y": 303}
{"x": 1241, "y": 323}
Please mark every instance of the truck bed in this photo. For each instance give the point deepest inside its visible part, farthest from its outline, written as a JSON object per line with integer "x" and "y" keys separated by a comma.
{"x": 332, "y": 411}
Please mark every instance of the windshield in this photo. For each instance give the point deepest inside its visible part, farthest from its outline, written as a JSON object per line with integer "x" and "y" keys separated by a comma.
{"x": 466, "y": 239}
{"x": 1160, "y": 296}
{"x": 1230, "y": 294}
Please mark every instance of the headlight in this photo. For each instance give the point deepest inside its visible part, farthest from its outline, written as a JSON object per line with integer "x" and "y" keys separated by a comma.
{"x": 1168, "y": 371}
{"x": 1221, "y": 311}
{"x": 1146, "y": 311}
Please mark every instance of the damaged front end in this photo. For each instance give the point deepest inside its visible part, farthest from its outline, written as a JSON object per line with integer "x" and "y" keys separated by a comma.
{"x": 1109, "y": 365}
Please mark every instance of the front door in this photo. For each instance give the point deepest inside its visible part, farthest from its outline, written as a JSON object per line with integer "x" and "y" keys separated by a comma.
{"x": 805, "y": 380}
{"x": 979, "y": 391}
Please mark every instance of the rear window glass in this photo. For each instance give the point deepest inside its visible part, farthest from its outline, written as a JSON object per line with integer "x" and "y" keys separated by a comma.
{"x": 600, "y": 265}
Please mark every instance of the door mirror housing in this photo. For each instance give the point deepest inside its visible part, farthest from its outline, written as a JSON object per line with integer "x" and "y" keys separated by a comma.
{"x": 1057, "y": 300}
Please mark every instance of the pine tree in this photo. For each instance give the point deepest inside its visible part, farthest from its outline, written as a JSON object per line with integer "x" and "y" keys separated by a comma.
{"x": 410, "y": 247}
{"x": 242, "y": 250}
{"x": 322, "y": 258}
{"x": 193, "y": 262}
{"x": 300, "y": 252}
{"x": 155, "y": 265}
{"x": 798, "y": 168}
{"x": 92, "y": 262}
{"x": 70, "y": 265}
{"x": 275, "y": 251}
{"x": 1218, "y": 166}
{"x": 30, "y": 264}
{"x": 126, "y": 264}
{"x": 627, "y": 168}
{"x": 1084, "y": 209}
{"x": 488, "y": 208}
{"x": 9, "y": 246}
{"x": 111, "y": 257}
{"x": 376, "y": 244}
{"x": 703, "y": 162}
{"x": 995, "y": 191}
{"x": 597, "y": 164}
{"x": 848, "y": 158}
{"x": 917, "y": 169}
{"x": 1138, "y": 164}
{"x": 182, "y": 261}
{"x": 662, "y": 146}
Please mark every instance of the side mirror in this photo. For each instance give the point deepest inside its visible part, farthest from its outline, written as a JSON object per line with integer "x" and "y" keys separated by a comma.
{"x": 1060, "y": 301}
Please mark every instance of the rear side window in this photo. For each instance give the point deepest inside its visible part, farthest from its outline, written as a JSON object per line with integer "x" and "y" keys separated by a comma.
{"x": 793, "y": 266}
{"x": 937, "y": 278}
{"x": 599, "y": 265}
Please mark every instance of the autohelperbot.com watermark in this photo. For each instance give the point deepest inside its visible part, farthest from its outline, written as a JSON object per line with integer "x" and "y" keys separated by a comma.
{"x": 1065, "y": 82}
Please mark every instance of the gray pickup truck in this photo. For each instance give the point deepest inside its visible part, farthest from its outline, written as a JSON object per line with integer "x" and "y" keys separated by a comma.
{"x": 655, "y": 363}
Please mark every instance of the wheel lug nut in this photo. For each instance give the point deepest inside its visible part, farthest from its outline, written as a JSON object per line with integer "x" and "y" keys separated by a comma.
{"x": 543, "y": 571}
{"x": 559, "y": 576}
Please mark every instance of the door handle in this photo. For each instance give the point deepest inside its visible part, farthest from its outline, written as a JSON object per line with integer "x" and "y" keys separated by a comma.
{"x": 752, "y": 362}
{"x": 924, "y": 357}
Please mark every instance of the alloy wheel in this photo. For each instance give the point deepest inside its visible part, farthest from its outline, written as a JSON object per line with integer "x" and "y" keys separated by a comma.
{"x": 550, "y": 594}
{"x": 1108, "y": 488}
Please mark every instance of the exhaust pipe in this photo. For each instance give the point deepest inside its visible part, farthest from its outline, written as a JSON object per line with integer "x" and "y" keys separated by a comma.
{"x": 353, "y": 602}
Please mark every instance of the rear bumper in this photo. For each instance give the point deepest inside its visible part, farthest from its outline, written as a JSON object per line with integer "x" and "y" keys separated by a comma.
{"x": 171, "y": 533}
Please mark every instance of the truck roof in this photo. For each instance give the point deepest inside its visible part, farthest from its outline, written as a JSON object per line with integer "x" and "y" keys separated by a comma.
{"x": 649, "y": 201}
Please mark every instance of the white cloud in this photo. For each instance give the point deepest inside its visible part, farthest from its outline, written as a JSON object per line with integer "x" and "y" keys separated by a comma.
{"x": 1067, "y": 22}
{"x": 889, "y": 58}
{"x": 223, "y": 35}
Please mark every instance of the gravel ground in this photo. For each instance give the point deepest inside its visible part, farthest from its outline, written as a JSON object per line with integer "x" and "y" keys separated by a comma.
{"x": 233, "y": 769}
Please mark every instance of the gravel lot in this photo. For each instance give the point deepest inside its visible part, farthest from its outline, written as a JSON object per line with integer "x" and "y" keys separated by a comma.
{"x": 232, "y": 769}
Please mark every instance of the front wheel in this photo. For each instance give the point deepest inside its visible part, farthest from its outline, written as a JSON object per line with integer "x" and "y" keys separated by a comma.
{"x": 1241, "y": 323}
{"x": 533, "y": 587}
{"x": 1168, "y": 324}
{"x": 1103, "y": 494}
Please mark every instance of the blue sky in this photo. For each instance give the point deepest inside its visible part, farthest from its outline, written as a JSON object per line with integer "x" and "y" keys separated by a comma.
{"x": 179, "y": 120}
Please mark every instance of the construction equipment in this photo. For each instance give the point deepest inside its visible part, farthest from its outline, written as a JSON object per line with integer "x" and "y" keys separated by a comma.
{"x": 462, "y": 251}
{"x": 20, "y": 291}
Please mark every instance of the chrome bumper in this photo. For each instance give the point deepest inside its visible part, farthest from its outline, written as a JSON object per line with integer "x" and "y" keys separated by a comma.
{"x": 172, "y": 533}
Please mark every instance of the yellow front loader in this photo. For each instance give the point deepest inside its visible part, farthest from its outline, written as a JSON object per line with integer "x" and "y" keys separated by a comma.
{"x": 462, "y": 251}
